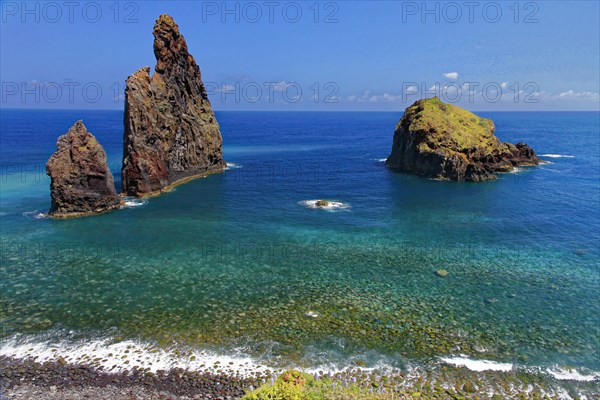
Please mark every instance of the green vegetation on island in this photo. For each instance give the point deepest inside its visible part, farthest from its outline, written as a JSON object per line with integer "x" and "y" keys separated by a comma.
{"x": 443, "y": 141}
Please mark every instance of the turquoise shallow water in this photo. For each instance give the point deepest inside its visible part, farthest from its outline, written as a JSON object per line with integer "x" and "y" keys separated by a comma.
{"x": 237, "y": 260}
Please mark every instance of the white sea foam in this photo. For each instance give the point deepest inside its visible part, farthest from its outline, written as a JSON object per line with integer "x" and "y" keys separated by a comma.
{"x": 381, "y": 367}
{"x": 515, "y": 170}
{"x": 126, "y": 355}
{"x": 331, "y": 206}
{"x": 2, "y": 213}
{"x": 129, "y": 354}
{"x": 571, "y": 374}
{"x": 556, "y": 156}
{"x": 132, "y": 202}
{"x": 118, "y": 356}
{"x": 37, "y": 214}
{"x": 477, "y": 365}
{"x": 231, "y": 165}
{"x": 381, "y": 159}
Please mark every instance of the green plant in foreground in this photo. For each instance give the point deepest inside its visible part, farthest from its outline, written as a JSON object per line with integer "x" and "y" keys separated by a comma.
{"x": 292, "y": 385}
{"x": 295, "y": 385}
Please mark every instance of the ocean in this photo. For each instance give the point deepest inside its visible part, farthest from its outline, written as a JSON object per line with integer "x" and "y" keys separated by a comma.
{"x": 239, "y": 267}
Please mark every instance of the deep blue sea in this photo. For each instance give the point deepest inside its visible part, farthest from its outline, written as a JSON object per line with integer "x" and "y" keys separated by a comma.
{"x": 239, "y": 264}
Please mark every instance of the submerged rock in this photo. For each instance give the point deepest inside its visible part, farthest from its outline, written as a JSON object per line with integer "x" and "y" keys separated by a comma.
{"x": 442, "y": 141}
{"x": 321, "y": 203}
{"x": 81, "y": 182}
{"x": 171, "y": 133}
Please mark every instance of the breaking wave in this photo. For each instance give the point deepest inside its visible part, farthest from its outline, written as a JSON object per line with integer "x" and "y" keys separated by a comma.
{"x": 556, "y": 156}
{"x": 231, "y": 166}
{"x": 477, "y": 365}
{"x": 37, "y": 214}
{"x": 132, "y": 202}
{"x": 331, "y": 205}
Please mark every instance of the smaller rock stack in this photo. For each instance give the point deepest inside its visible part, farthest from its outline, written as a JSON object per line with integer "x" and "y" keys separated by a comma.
{"x": 81, "y": 182}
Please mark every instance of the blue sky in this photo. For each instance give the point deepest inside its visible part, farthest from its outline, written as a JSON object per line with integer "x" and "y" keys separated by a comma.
{"x": 330, "y": 55}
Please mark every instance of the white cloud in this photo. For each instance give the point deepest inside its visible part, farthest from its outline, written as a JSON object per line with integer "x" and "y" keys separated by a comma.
{"x": 281, "y": 85}
{"x": 571, "y": 94}
{"x": 411, "y": 89}
{"x": 451, "y": 75}
{"x": 467, "y": 94}
{"x": 226, "y": 88}
{"x": 386, "y": 98}
{"x": 364, "y": 98}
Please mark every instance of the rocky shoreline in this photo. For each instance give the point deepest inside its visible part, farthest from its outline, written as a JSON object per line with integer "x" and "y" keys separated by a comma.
{"x": 22, "y": 379}
{"x": 178, "y": 181}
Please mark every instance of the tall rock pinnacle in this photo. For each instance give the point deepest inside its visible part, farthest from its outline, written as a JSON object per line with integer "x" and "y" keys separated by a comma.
{"x": 81, "y": 182}
{"x": 170, "y": 129}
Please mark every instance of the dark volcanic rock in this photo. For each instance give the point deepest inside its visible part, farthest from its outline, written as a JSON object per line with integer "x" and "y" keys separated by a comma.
{"x": 170, "y": 129}
{"x": 81, "y": 182}
{"x": 443, "y": 141}
{"x": 61, "y": 375}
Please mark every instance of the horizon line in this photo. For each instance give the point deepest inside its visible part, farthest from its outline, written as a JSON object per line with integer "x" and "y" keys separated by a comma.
{"x": 318, "y": 111}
